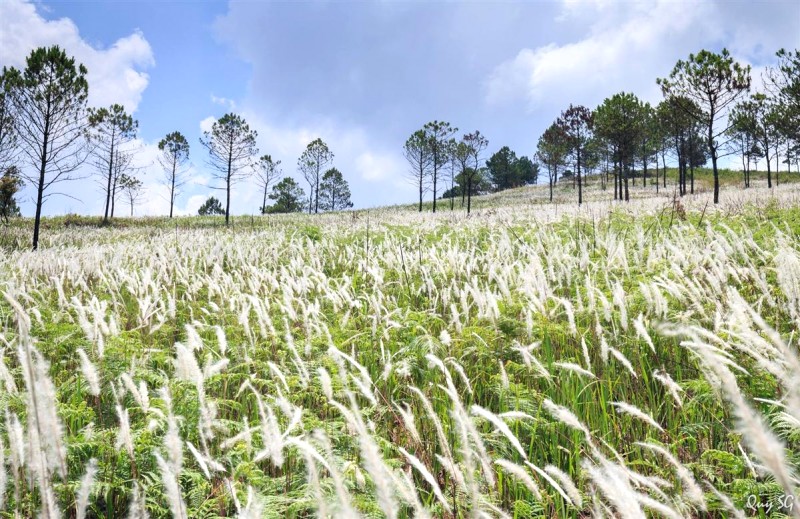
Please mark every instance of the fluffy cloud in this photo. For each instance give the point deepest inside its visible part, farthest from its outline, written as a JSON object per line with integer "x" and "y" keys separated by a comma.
{"x": 116, "y": 74}
{"x": 628, "y": 45}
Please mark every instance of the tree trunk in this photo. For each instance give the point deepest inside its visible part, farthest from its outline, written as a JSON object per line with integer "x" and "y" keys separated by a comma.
{"x": 172, "y": 187}
{"x": 316, "y": 191}
{"x": 228, "y": 189}
{"x": 657, "y": 173}
{"x": 108, "y": 187}
{"x": 716, "y": 174}
{"x": 691, "y": 162}
{"x": 580, "y": 188}
{"x": 627, "y": 194}
{"x": 644, "y": 179}
{"x": 435, "y": 174}
{"x": 469, "y": 193}
{"x": 420, "y": 191}
{"x": 113, "y": 196}
{"x": 40, "y": 187}
{"x": 264, "y": 203}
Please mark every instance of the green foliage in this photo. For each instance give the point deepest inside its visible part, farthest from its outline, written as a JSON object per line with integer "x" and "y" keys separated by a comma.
{"x": 288, "y": 197}
{"x": 10, "y": 184}
{"x": 334, "y": 191}
{"x": 49, "y": 98}
{"x": 712, "y": 82}
{"x": 174, "y": 156}
{"x": 311, "y": 163}
{"x": 231, "y": 144}
{"x": 211, "y": 207}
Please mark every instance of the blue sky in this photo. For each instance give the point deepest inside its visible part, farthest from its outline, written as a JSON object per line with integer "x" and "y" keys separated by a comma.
{"x": 365, "y": 75}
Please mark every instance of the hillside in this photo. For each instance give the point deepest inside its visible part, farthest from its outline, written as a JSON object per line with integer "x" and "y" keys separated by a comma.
{"x": 530, "y": 360}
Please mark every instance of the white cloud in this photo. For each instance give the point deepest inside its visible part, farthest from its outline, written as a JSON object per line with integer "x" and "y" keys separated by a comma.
{"x": 627, "y": 45}
{"x": 627, "y": 54}
{"x": 207, "y": 123}
{"x": 374, "y": 167}
{"x": 229, "y": 104}
{"x": 116, "y": 74}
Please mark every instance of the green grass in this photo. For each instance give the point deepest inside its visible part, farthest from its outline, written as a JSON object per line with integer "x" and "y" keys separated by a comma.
{"x": 383, "y": 296}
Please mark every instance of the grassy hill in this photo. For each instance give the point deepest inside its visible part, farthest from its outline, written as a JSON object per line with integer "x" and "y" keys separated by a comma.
{"x": 534, "y": 359}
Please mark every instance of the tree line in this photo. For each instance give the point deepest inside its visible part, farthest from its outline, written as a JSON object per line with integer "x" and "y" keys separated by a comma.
{"x": 48, "y": 134}
{"x": 706, "y": 114}
{"x": 437, "y": 158}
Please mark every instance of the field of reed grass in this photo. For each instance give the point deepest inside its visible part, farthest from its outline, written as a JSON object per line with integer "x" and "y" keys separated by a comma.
{"x": 531, "y": 360}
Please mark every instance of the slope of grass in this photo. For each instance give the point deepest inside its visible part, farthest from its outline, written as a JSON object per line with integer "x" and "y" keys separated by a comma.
{"x": 397, "y": 364}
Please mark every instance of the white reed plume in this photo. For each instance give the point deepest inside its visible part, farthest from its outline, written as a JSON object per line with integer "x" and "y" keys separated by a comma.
{"x": 501, "y": 426}
{"x": 172, "y": 438}
{"x": 82, "y": 497}
{"x": 124, "y": 438}
{"x": 193, "y": 339}
{"x": 45, "y": 431}
{"x": 89, "y": 373}
{"x": 623, "y": 360}
{"x": 553, "y": 483}
{"x": 503, "y": 375}
{"x": 574, "y": 368}
{"x": 313, "y": 481}
{"x": 531, "y": 361}
{"x": 569, "y": 310}
{"x": 140, "y": 393}
{"x": 136, "y": 506}
{"x": 461, "y": 373}
{"x": 641, "y": 331}
{"x": 186, "y": 366}
{"x": 566, "y": 483}
{"x": 427, "y": 476}
{"x": 613, "y": 484}
{"x": 276, "y": 371}
{"x": 565, "y": 416}
{"x": 674, "y": 389}
{"x": 407, "y": 416}
{"x": 755, "y": 433}
{"x": 298, "y": 362}
{"x": 373, "y": 462}
{"x": 16, "y": 442}
{"x": 342, "y": 495}
{"x": 206, "y": 463}
{"x": 726, "y": 501}
{"x": 619, "y": 299}
{"x": 325, "y": 382}
{"x": 632, "y": 410}
{"x": 515, "y": 415}
{"x": 604, "y": 348}
{"x": 586, "y": 359}
{"x": 176, "y": 504}
{"x": 254, "y": 508}
{"x": 521, "y": 474}
{"x": 691, "y": 489}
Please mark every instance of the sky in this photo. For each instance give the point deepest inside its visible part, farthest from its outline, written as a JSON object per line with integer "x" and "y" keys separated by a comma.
{"x": 363, "y": 76}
